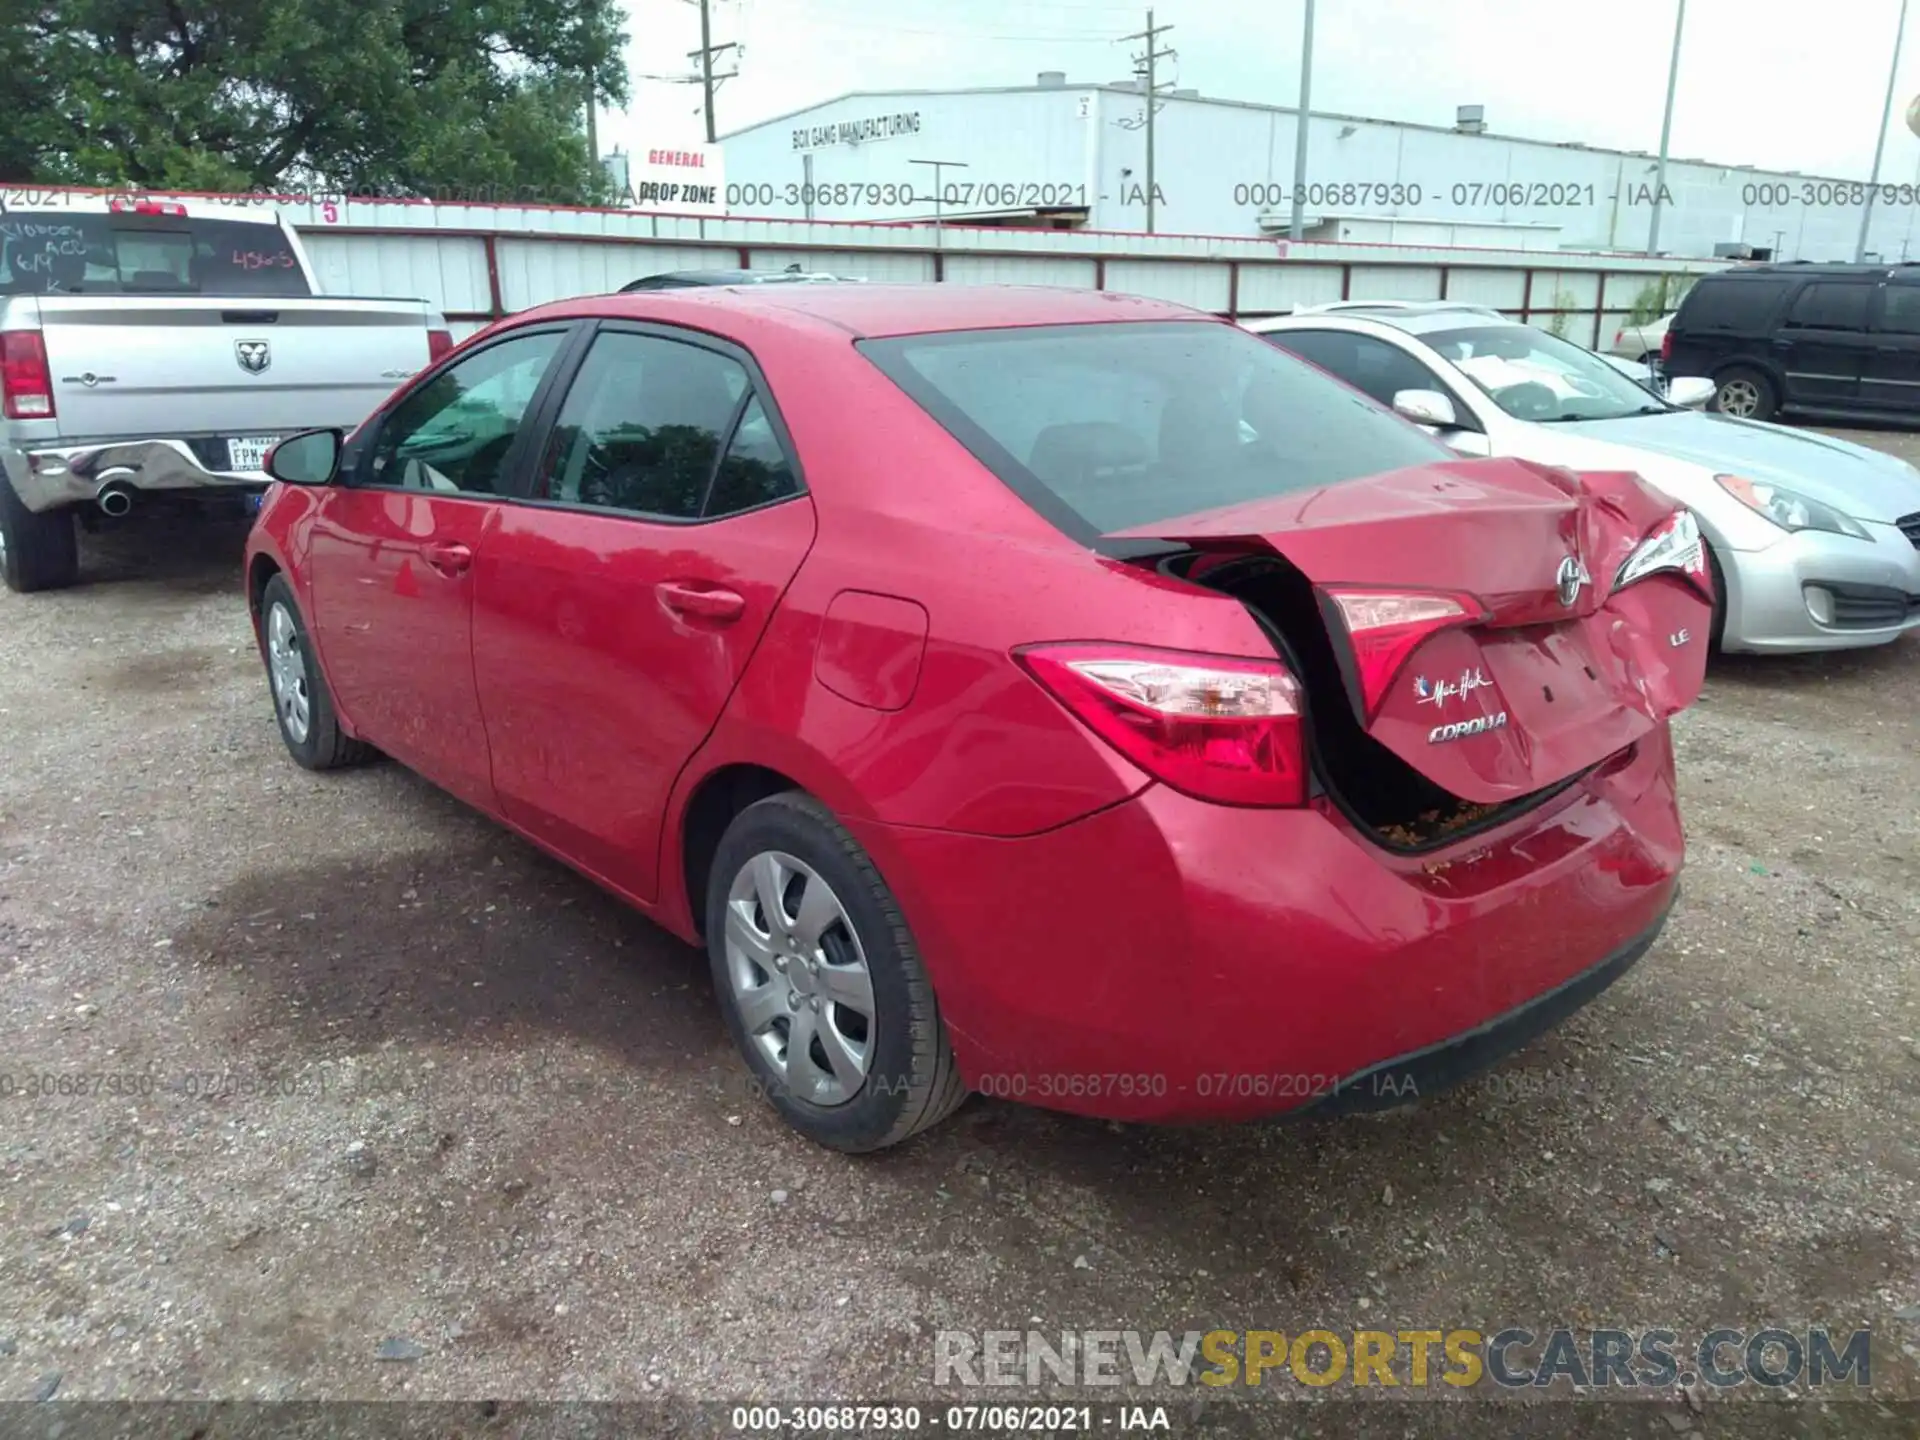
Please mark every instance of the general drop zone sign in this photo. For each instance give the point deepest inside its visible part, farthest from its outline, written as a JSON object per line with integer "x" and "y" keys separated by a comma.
{"x": 690, "y": 179}
{"x": 673, "y": 194}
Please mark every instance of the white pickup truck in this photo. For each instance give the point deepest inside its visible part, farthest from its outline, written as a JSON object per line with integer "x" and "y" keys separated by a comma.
{"x": 152, "y": 350}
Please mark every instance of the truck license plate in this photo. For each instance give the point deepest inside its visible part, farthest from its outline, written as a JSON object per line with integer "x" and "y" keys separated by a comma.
{"x": 249, "y": 452}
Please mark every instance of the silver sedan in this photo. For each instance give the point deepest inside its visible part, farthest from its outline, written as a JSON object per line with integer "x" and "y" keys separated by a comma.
{"x": 1816, "y": 542}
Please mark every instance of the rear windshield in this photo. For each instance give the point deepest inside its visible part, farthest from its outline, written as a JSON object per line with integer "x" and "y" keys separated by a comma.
{"x": 1111, "y": 427}
{"x": 55, "y": 254}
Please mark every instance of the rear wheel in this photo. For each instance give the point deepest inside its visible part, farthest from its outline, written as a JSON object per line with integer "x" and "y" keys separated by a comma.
{"x": 1745, "y": 394}
{"x": 37, "y": 552}
{"x": 302, "y": 704}
{"x": 820, "y": 981}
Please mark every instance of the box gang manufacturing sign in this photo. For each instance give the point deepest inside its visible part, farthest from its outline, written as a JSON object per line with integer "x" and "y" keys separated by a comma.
{"x": 857, "y": 132}
{"x": 688, "y": 179}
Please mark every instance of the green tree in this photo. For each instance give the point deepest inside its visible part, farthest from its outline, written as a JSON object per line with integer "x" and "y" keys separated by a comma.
{"x": 406, "y": 97}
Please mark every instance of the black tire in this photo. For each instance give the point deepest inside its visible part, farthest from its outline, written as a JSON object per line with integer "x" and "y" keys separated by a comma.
{"x": 1719, "y": 624}
{"x": 1739, "y": 387}
{"x": 911, "y": 1081}
{"x": 37, "y": 552}
{"x": 323, "y": 745}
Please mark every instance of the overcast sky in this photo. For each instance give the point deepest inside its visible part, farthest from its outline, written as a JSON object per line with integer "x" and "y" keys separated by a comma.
{"x": 1793, "y": 86}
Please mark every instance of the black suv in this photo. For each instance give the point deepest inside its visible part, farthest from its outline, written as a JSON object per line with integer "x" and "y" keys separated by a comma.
{"x": 1812, "y": 338}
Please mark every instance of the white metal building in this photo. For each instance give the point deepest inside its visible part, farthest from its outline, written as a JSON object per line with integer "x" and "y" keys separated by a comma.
{"x": 1060, "y": 155}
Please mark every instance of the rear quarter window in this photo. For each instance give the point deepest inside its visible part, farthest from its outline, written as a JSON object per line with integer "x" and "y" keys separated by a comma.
{"x": 1111, "y": 427}
{"x": 1730, "y": 305}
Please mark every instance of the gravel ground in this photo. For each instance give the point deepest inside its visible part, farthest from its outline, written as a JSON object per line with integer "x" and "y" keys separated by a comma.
{"x": 363, "y": 1070}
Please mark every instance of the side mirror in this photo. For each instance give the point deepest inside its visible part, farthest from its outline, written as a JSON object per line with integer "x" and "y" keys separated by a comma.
{"x": 309, "y": 458}
{"x": 1689, "y": 392}
{"x": 1426, "y": 407}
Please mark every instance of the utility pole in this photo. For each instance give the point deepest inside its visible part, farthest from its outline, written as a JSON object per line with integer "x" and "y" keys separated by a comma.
{"x": 1666, "y": 129}
{"x": 1145, "y": 65}
{"x": 1880, "y": 140}
{"x": 709, "y": 82}
{"x": 593, "y": 122}
{"x": 1298, "y": 229}
{"x": 938, "y": 166}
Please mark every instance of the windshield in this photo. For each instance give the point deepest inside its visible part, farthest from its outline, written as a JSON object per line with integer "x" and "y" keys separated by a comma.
{"x": 1110, "y": 427}
{"x": 1536, "y": 376}
{"x": 66, "y": 254}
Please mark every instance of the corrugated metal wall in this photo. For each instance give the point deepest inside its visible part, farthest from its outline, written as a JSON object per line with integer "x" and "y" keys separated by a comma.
{"x": 478, "y": 263}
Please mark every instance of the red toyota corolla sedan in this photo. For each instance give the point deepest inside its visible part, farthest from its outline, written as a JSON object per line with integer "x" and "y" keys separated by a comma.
{"x": 1055, "y": 694}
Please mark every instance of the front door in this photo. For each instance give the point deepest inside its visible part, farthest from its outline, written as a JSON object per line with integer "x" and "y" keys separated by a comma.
{"x": 393, "y": 553}
{"x": 1821, "y": 344}
{"x": 1892, "y": 378}
{"x": 616, "y": 609}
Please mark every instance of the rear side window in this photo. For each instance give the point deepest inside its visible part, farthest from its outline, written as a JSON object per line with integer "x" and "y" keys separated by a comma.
{"x": 55, "y": 254}
{"x": 664, "y": 430}
{"x": 1900, "y": 310}
{"x": 1729, "y": 304}
{"x": 1368, "y": 364}
{"x": 1830, "y": 307}
{"x": 1112, "y": 427}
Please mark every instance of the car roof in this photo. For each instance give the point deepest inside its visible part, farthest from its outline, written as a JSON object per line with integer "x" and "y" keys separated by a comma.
{"x": 1412, "y": 322}
{"x": 727, "y": 277}
{"x": 874, "y": 311}
{"x": 1397, "y": 307}
{"x": 1791, "y": 269}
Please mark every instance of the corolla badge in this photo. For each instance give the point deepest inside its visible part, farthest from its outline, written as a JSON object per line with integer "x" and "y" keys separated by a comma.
{"x": 1437, "y": 692}
{"x": 1571, "y": 579}
{"x": 253, "y": 355}
{"x": 1460, "y": 729}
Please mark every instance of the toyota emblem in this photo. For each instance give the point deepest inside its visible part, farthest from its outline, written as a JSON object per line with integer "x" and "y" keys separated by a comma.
{"x": 1570, "y": 580}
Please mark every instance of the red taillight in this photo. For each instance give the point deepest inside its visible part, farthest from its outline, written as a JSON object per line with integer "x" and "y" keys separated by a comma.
{"x": 120, "y": 205}
{"x": 1385, "y": 627}
{"x": 439, "y": 342}
{"x": 1215, "y": 727}
{"x": 25, "y": 382}
{"x": 1676, "y": 545}
{"x": 1618, "y": 337}
{"x": 1666, "y": 344}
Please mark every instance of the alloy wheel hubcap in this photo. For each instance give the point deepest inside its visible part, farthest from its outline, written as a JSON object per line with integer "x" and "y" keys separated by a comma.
{"x": 800, "y": 979}
{"x": 287, "y": 669}
{"x": 1738, "y": 397}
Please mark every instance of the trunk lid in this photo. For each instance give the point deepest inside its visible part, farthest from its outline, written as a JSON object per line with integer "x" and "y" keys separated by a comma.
{"x": 165, "y": 366}
{"x": 1532, "y": 685}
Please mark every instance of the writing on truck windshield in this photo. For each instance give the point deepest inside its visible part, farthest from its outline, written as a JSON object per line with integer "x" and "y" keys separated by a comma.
{"x": 55, "y": 254}
{"x": 1113, "y": 426}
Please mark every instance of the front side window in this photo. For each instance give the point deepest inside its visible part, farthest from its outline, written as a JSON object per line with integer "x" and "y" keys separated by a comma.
{"x": 455, "y": 432}
{"x": 1532, "y": 375}
{"x": 1110, "y": 427}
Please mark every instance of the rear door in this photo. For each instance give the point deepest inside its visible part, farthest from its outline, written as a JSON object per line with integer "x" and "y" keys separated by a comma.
{"x": 1891, "y": 380}
{"x": 1479, "y": 617}
{"x": 1821, "y": 345}
{"x": 618, "y": 605}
